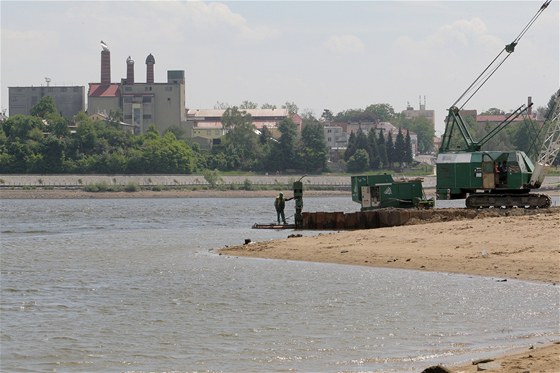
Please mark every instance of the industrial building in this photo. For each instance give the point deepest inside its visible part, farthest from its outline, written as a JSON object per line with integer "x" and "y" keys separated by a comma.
{"x": 412, "y": 113}
{"x": 141, "y": 103}
{"x": 69, "y": 100}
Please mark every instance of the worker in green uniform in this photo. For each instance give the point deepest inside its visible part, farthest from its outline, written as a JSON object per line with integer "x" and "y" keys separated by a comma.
{"x": 279, "y": 204}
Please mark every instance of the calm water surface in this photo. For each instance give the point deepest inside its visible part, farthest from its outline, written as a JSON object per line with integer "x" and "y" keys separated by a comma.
{"x": 135, "y": 285}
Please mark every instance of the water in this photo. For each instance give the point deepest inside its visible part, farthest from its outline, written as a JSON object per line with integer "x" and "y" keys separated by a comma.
{"x": 135, "y": 285}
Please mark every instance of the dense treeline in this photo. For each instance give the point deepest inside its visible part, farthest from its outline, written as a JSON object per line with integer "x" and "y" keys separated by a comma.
{"x": 375, "y": 152}
{"x": 43, "y": 143}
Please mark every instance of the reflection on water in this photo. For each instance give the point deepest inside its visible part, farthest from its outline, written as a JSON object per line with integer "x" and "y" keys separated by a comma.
{"x": 135, "y": 285}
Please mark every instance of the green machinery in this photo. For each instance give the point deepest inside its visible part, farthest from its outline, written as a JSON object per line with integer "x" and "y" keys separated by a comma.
{"x": 465, "y": 171}
{"x": 380, "y": 191}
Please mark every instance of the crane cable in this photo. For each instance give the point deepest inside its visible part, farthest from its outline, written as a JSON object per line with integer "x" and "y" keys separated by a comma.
{"x": 489, "y": 70}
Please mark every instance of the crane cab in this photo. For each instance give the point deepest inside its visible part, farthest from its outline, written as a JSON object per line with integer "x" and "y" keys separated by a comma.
{"x": 462, "y": 173}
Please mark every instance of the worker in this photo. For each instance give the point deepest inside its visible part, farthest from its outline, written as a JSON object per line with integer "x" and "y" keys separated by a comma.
{"x": 279, "y": 204}
{"x": 503, "y": 173}
{"x": 496, "y": 174}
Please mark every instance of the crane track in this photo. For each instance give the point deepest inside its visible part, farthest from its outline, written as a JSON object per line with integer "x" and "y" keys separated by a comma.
{"x": 529, "y": 200}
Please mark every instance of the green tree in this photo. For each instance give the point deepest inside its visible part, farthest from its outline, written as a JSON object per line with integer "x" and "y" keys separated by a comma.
{"x": 268, "y": 106}
{"x": 166, "y": 154}
{"x": 283, "y": 153}
{"x": 380, "y": 112}
{"x": 179, "y": 132}
{"x": 400, "y": 148}
{"x": 351, "y": 148}
{"x": 408, "y": 156}
{"x": 355, "y": 142}
{"x": 359, "y": 162}
{"x": 327, "y": 116}
{"x": 241, "y": 140}
{"x": 390, "y": 148}
{"x": 383, "y": 156}
{"x": 373, "y": 113}
{"x": 424, "y": 131}
{"x": 22, "y": 127}
{"x": 362, "y": 141}
{"x": 58, "y": 126}
{"x": 221, "y": 105}
{"x": 46, "y": 106}
{"x": 248, "y": 105}
{"x": 53, "y": 149}
{"x": 312, "y": 152}
{"x": 265, "y": 136}
{"x": 523, "y": 138}
{"x": 292, "y": 108}
{"x": 374, "y": 155}
{"x": 493, "y": 111}
{"x": 22, "y": 144}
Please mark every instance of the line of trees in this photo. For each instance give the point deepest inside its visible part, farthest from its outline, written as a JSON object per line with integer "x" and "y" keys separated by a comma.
{"x": 42, "y": 143}
{"x": 375, "y": 152}
{"x": 244, "y": 148}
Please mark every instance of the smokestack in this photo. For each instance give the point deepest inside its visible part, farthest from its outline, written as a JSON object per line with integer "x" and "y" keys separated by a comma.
{"x": 129, "y": 70}
{"x": 529, "y": 106}
{"x": 105, "y": 64}
{"x": 150, "y": 61}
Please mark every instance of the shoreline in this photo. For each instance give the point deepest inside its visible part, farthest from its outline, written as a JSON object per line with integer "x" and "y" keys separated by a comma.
{"x": 183, "y": 193}
{"x": 522, "y": 247}
{"x": 512, "y": 245}
{"x": 67, "y": 193}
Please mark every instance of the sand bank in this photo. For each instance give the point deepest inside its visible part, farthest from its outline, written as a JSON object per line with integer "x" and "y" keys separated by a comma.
{"x": 522, "y": 247}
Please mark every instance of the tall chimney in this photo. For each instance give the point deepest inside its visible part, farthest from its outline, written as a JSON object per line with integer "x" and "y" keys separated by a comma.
{"x": 150, "y": 61}
{"x": 129, "y": 70}
{"x": 529, "y": 106}
{"x": 105, "y": 65}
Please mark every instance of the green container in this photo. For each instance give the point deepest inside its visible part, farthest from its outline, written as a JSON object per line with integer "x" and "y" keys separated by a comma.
{"x": 380, "y": 191}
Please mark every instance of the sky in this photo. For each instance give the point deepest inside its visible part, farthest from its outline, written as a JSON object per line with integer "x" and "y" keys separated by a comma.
{"x": 334, "y": 55}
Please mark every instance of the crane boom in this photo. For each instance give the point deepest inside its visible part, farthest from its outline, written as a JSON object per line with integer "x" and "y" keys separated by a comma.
{"x": 493, "y": 178}
{"x": 550, "y": 148}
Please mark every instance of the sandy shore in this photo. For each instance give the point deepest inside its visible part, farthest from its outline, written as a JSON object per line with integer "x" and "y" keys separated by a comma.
{"x": 520, "y": 247}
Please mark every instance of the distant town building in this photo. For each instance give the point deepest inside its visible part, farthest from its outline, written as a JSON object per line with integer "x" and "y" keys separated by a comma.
{"x": 335, "y": 137}
{"x": 141, "y": 104}
{"x": 411, "y": 113}
{"x": 205, "y": 126}
{"x": 337, "y": 133}
{"x": 69, "y": 100}
{"x": 494, "y": 119}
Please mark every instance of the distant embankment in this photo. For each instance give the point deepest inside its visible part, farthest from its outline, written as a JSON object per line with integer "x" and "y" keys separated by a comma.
{"x": 168, "y": 181}
{"x": 198, "y": 181}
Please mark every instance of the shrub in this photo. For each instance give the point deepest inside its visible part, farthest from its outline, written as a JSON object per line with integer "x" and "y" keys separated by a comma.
{"x": 132, "y": 187}
{"x": 247, "y": 185}
{"x": 212, "y": 177}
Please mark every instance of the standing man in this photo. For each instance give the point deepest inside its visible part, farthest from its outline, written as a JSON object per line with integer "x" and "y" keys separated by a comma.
{"x": 503, "y": 173}
{"x": 279, "y": 204}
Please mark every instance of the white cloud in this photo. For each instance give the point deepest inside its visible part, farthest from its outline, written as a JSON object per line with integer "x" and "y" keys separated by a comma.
{"x": 461, "y": 35}
{"x": 344, "y": 44}
{"x": 217, "y": 17}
